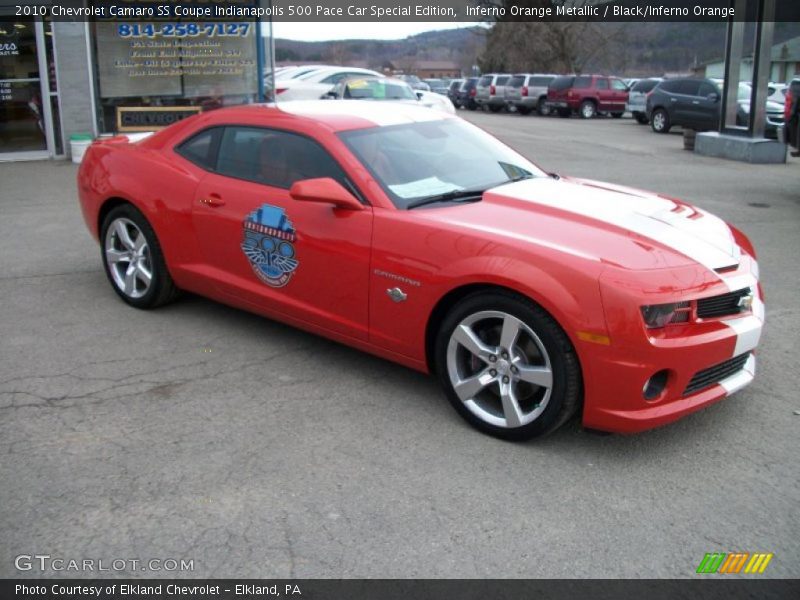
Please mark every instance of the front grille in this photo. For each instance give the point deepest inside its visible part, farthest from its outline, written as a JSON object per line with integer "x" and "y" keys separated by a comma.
{"x": 708, "y": 377}
{"x": 720, "y": 306}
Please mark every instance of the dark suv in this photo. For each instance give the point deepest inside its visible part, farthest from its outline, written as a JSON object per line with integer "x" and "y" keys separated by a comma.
{"x": 587, "y": 95}
{"x": 466, "y": 94}
{"x": 696, "y": 104}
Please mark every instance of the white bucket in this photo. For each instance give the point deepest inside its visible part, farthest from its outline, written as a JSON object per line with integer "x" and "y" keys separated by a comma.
{"x": 78, "y": 144}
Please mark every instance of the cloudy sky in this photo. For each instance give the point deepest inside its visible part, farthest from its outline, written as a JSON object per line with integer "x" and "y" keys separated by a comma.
{"x": 312, "y": 32}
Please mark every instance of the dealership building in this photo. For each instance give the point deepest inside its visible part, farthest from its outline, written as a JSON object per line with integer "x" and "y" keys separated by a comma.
{"x": 60, "y": 79}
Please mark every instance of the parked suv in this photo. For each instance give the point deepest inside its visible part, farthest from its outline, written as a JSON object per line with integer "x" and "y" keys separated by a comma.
{"x": 465, "y": 97}
{"x": 528, "y": 92}
{"x": 637, "y": 98}
{"x": 491, "y": 91}
{"x": 587, "y": 95}
{"x": 696, "y": 104}
{"x": 452, "y": 90}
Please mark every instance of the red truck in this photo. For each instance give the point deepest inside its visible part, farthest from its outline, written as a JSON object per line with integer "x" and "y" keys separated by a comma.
{"x": 587, "y": 95}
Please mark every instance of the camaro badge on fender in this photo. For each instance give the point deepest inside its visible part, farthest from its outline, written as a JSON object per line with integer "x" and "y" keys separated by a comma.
{"x": 269, "y": 245}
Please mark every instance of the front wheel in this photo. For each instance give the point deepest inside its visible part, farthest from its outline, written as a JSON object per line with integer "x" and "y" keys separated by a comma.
{"x": 507, "y": 367}
{"x": 133, "y": 260}
{"x": 660, "y": 121}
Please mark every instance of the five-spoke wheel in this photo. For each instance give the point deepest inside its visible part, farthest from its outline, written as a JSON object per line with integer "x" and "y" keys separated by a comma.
{"x": 507, "y": 366}
{"x": 133, "y": 260}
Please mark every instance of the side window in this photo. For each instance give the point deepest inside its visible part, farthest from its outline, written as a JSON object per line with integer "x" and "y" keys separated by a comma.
{"x": 706, "y": 89}
{"x": 688, "y": 87}
{"x": 582, "y": 82}
{"x": 602, "y": 84}
{"x": 276, "y": 158}
{"x": 335, "y": 78}
{"x": 201, "y": 148}
{"x": 502, "y": 80}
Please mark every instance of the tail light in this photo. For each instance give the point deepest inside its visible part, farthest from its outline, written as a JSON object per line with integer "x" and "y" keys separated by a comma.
{"x": 280, "y": 90}
{"x": 473, "y": 92}
{"x": 491, "y": 90}
{"x": 787, "y": 108}
{"x": 569, "y": 94}
{"x": 524, "y": 90}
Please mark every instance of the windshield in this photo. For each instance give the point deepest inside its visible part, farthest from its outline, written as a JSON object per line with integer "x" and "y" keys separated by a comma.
{"x": 416, "y": 161}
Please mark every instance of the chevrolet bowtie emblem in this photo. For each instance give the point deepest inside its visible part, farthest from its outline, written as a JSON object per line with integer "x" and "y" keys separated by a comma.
{"x": 396, "y": 294}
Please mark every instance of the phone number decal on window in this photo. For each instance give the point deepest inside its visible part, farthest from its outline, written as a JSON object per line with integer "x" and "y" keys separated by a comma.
{"x": 136, "y": 30}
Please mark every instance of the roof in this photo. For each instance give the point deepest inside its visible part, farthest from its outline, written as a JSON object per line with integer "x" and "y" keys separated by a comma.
{"x": 342, "y": 115}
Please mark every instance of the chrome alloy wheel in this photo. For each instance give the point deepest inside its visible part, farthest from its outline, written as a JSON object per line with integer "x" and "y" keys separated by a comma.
{"x": 499, "y": 369}
{"x": 128, "y": 258}
{"x": 659, "y": 121}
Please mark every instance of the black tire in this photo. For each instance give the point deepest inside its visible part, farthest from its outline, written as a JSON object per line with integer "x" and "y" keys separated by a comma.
{"x": 566, "y": 391}
{"x": 588, "y": 109}
{"x": 494, "y": 108}
{"x": 660, "y": 121}
{"x": 523, "y": 110}
{"x": 617, "y": 115}
{"x": 641, "y": 118}
{"x": 161, "y": 289}
{"x": 564, "y": 113}
{"x": 543, "y": 108}
{"x": 472, "y": 105}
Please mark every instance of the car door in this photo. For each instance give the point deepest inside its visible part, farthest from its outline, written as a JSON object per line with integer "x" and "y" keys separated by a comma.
{"x": 708, "y": 106}
{"x": 604, "y": 95}
{"x": 687, "y": 103}
{"x": 306, "y": 260}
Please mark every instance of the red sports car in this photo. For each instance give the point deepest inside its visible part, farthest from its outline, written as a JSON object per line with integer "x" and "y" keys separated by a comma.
{"x": 418, "y": 237}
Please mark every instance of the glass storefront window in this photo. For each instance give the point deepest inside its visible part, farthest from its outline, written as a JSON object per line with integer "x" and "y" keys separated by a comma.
{"x": 162, "y": 65}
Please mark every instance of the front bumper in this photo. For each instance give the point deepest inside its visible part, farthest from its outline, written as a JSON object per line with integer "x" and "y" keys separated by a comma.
{"x": 616, "y": 375}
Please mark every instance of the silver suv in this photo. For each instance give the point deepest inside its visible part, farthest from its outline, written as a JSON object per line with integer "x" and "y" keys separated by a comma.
{"x": 637, "y": 98}
{"x": 491, "y": 91}
{"x": 528, "y": 91}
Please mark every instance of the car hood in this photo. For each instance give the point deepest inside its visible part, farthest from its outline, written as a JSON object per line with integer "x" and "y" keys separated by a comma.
{"x": 613, "y": 224}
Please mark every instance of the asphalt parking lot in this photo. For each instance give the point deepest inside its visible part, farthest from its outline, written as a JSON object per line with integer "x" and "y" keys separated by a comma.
{"x": 204, "y": 433}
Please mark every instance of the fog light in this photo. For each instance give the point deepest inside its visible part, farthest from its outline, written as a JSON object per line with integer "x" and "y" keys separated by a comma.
{"x": 655, "y": 385}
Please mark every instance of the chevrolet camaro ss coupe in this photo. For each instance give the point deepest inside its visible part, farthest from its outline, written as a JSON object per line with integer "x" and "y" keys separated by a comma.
{"x": 418, "y": 237}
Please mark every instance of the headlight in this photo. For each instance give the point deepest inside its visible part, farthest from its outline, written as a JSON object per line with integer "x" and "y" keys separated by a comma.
{"x": 659, "y": 315}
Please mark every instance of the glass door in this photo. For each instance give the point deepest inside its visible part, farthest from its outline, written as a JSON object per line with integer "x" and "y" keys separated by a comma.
{"x": 25, "y": 111}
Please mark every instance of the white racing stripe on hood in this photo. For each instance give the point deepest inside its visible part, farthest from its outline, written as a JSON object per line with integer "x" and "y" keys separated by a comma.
{"x": 706, "y": 240}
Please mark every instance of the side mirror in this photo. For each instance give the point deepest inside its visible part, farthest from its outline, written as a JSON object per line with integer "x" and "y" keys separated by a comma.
{"x": 325, "y": 190}
{"x": 332, "y": 95}
{"x": 713, "y": 97}
{"x": 419, "y": 95}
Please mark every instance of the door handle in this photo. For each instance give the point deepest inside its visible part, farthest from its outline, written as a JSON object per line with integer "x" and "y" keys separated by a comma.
{"x": 213, "y": 200}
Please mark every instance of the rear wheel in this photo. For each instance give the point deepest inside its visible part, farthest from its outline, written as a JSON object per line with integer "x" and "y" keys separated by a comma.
{"x": 133, "y": 260}
{"x": 507, "y": 367}
{"x": 660, "y": 121}
{"x": 494, "y": 108}
{"x": 542, "y": 107}
{"x": 641, "y": 118}
{"x": 588, "y": 109}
